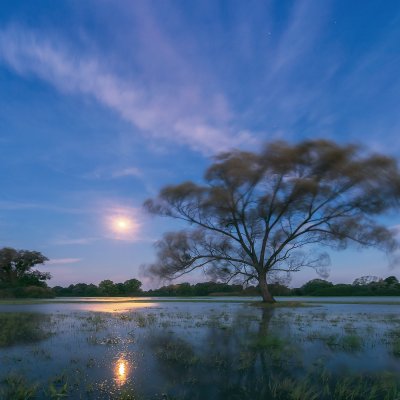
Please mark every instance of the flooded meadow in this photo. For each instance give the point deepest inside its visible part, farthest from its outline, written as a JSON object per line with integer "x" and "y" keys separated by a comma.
{"x": 199, "y": 349}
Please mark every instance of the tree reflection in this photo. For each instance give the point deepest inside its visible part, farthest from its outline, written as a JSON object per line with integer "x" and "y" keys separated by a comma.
{"x": 228, "y": 362}
{"x": 18, "y": 328}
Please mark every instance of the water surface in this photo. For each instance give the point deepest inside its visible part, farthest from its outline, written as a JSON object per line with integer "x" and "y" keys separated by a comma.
{"x": 107, "y": 349}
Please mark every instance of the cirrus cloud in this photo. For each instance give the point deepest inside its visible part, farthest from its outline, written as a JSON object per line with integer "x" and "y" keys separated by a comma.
{"x": 62, "y": 261}
{"x": 180, "y": 115}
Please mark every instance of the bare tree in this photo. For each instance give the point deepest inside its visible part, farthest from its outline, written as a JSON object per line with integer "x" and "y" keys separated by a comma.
{"x": 257, "y": 213}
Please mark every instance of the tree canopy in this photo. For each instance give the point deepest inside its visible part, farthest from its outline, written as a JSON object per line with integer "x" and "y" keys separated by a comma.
{"x": 259, "y": 214}
{"x": 364, "y": 286}
{"x": 16, "y": 271}
{"x": 131, "y": 287}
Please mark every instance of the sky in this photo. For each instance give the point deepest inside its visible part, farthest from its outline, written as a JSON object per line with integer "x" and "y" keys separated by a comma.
{"x": 102, "y": 103}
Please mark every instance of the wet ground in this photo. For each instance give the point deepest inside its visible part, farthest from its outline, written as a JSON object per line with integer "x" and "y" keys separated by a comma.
{"x": 154, "y": 349}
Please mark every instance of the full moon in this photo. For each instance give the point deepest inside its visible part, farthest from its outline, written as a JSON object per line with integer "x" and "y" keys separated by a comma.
{"x": 123, "y": 226}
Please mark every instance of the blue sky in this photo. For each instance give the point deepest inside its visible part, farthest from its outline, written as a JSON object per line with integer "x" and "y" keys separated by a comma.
{"x": 102, "y": 103}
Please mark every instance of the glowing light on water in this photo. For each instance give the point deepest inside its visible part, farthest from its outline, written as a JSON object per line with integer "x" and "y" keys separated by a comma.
{"x": 121, "y": 371}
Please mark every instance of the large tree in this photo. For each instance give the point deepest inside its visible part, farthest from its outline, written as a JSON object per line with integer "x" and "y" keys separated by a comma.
{"x": 259, "y": 214}
{"x": 132, "y": 286}
{"x": 16, "y": 268}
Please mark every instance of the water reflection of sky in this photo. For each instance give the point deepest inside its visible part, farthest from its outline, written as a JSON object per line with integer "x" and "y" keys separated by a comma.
{"x": 152, "y": 346}
{"x": 112, "y": 304}
{"x": 48, "y": 307}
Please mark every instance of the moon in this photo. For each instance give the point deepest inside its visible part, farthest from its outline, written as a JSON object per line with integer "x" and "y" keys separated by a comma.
{"x": 122, "y": 224}
{"x": 123, "y": 227}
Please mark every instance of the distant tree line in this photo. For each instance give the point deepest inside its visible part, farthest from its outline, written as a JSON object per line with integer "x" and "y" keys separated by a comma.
{"x": 364, "y": 286}
{"x": 19, "y": 279}
{"x": 198, "y": 289}
{"x": 131, "y": 287}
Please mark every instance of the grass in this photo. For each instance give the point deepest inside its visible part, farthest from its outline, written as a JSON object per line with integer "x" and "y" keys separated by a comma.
{"x": 290, "y": 389}
{"x": 16, "y": 388}
{"x": 273, "y": 352}
{"x": 269, "y": 342}
{"x": 281, "y": 304}
{"x": 315, "y": 386}
{"x": 351, "y": 342}
{"x": 176, "y": 353}
{"x": 128, "y": 394}
{"x": 57, "y": 391}
{"x": 396, "y": 347}
{"x": 384, "y": 303}
{"x": 16, "y": 328}
{"x": 348, "y": 342}
{"x": 143, "y": 321}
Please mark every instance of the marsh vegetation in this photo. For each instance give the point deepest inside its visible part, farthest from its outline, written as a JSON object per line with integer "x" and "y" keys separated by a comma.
{"x": 214, "y": 350}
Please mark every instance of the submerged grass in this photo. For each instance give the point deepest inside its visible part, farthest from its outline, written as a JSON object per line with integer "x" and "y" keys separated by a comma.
{"x": 269, "y": 342}
{"x": 351, "y": 342}
{"x": 214, "y": 352}
{"x": 315, "y": 386}
{"x": 396, "y": 347}
{"x": 16, "y": 388}
{"x": 290, "y": 389}
{"x": 319, "y": 387}
{"x": 176, "y": 352}
{"x": 282, "y": 304}
{"x": 16, "y": 328}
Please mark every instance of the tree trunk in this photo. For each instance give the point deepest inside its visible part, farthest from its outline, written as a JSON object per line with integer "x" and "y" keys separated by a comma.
{"x": 265, "y": 293}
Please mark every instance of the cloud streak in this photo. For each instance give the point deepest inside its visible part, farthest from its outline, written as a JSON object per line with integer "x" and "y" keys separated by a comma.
{"x": 114, "y": 173}
{"x": 178, "y": 116}
{"x": 74, "y": 241}
{"x": 62, "y": 261}
{"x": 22, "y": 206}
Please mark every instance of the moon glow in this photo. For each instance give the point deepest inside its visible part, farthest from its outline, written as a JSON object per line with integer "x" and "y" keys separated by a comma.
{"x": 122, "y": 224}
{"x": 123, "y": 227}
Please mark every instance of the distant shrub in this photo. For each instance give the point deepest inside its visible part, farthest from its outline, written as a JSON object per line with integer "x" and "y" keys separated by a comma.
{"x": 6, "y": 293}
{"x": 34, "y": 292}
{"x": 23, "y": 327}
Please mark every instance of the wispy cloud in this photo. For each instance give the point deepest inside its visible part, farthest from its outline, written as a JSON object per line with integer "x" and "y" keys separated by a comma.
{"x": 181, "y": 116}
{"x": 10, "y": 205}
{"x": 295, "y": 87}
{"x": 114, "y": 173}
{"x": 73, "y": 241}
{"x": 124, "y": 172}
{"x": 62, "y": 261}
{"x": 21, "y": 206}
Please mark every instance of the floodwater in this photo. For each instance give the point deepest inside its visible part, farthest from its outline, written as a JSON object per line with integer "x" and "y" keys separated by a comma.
{"x": 215, "y": 349}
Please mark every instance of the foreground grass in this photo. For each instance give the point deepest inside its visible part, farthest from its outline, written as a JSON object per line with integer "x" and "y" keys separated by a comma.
{"x": 326, "y": 387}
{"x": 315, "y": 387}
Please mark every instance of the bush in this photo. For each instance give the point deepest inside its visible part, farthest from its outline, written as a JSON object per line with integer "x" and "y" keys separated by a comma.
{"x": 34, "y": 292}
